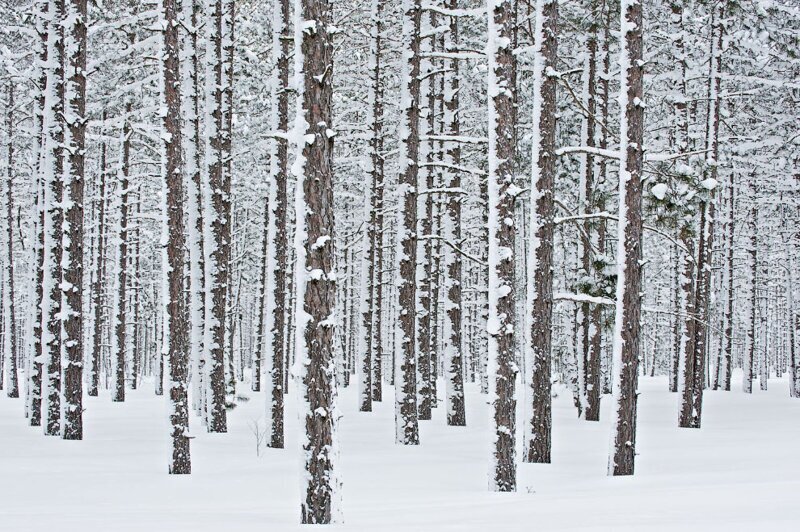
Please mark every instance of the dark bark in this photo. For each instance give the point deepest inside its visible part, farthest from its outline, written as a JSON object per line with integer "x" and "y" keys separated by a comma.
{"x": 629, "y": 283}
{"x": 453, "y": 355}
{"x": 502, "y": 308}
{"x": 120, "y": 317}
{"x": 317, "y": 294}
{"x": 178, "y": 330}
{"x": 406, "y": 423}
{"x": 219, "y": 214}
{"x": 538, "y": 446}
{"x": 12, "y": 389}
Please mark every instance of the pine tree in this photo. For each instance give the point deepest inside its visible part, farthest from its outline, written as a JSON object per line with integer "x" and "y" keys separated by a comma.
{"x": 173, "y": 254}
{"x": 540, "y": 286}
{"x": 629, "y": 236}
{"x": 316, "y": 281}
{"x": 406, "y": 423}
{"x": 52, "y": 168}
{"x": 12, "y": 389}
{"x": 277, "y": 259}
{"x": 502, "y": 194}
{"x": 216, "y": 240}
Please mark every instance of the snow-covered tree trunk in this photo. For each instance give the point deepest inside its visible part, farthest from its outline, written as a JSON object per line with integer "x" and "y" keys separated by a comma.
{"x": 98, "y": 291}
{"x": 370, "y": 287}
{"x": 540, "y": 281}
{"x": 277, "y": 257}
{"x": 316, "y": 279}
{"x": 226, "y": 146}
{"x": 173, "y": 242}
{"x": 730, "y": 296}
{"x": 37, "y": 258}
{"x": 406, "y": 424}
{"x": 52, "y": 167}
{"x": 216, "y": 219}
{"x": 590, "y": 376}
{"x": 75, "y": 24}
{"x": 750, "y": 354}
{"x": 12, "y": 386}
{"x": 119, "y": 332}
{"x": 452, "y": 354}
{"x": 629, "y": 238}
{"x": 707, "y": 216}
{"x": 376, "y": 169}
{"x": 190, "y": 112}
{"x": 687, "y": 310}
{"x": 502, "y": 194}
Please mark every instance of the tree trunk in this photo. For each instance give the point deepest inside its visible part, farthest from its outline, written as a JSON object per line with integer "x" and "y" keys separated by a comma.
{"x": 53, "y": 217}
{"x": 540, "y": 287}
{"x": 173, "y": 253}
{"x": 377, "y": 170}
{"x": 629, "y": 237}
{"x": 12, "y": 389}
{"x": 316, "y": 283}
{"x": 591, "y": 350}
{"x": 121, "y": 274}
{"x": 98, "y": 292}
{"x": 216, "y": 240}
{"x": 453, "y": 356}
{"x": 406, "y": 424}
{"x": 502, "y": 195}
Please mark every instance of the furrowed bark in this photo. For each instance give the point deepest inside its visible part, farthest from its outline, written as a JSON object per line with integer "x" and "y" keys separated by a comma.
{"x": 502, "y": 195}
{"x": 629, "y": 237}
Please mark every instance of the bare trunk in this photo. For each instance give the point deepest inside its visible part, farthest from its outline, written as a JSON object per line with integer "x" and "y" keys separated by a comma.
{"x": 406, "y": 424}
{"x": 540, "y": 292}
{"x": 173, "y": 254}
{"x": 502, "y": 195}
{"x": 316, "y": 284}
{"x": 629, "y": 252}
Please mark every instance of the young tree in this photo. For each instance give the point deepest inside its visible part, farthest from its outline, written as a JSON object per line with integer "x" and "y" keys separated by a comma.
{"x": 316, "y": 279}
{"x": 502, "y": 194}
{"x": 629, "y": 236}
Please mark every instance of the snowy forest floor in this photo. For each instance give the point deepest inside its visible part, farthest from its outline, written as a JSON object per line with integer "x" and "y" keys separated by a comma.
{"x": 741, "y": 471}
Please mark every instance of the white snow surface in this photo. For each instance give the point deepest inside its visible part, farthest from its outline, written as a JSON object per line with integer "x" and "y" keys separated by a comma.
{"x": 740, "y": 471}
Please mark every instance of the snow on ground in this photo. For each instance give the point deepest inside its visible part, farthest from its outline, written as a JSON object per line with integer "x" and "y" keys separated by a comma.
{"x": 741, "y": 471}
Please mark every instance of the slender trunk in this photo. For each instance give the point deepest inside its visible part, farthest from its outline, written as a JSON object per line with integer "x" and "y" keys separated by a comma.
{"x": 749, "y": 357}
{"x": 216, "y": 240}
{"x": 452, "y": 353}
{"x": 120, "y": 294}
{"x": 629, "y": 237}
{"x": 12, "y": 389}
{"x": 194, "y": 196}
{"x": 53, "y": 217}
{"x": 502, "y": 195}
{"x": 377, "y": 171}
{"x": 406, "y": 424}
{"x": 540, "y": 286}
{"x": 98, "y": 292}
{"x": 591, "y": 352}
{"x": 173, "y": 254}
